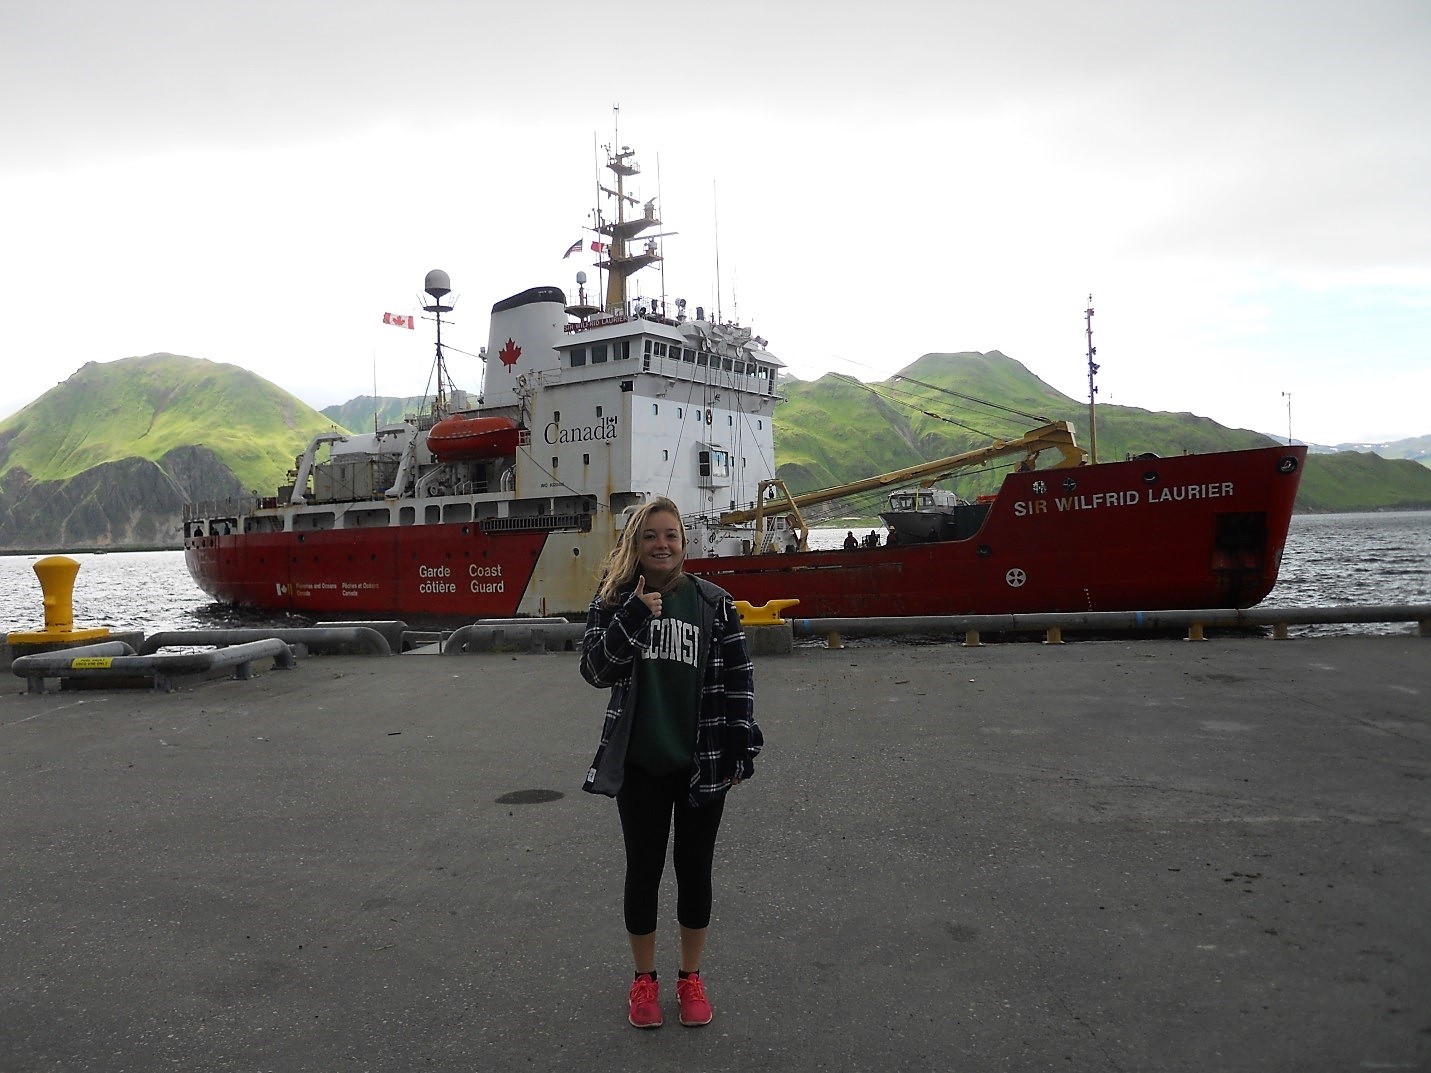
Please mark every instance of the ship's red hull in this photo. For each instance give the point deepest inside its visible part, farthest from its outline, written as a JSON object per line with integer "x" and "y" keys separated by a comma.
{"x": 1191, "y": 531}
{"x": 449, "y": 571}
{"x": 1160, "y": 533}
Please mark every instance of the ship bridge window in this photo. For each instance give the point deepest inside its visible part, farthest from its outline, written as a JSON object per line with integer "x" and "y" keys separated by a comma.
{"x": 647, "y": 344}
{"x": 578, "y": 357}
{"x": 688, "y": 355}
{"x": 726, "y": 364}
{"x": 714, "y": 463}
{"x": 655, "y": 408}
{"x": 598, "y": 354}
{"x": 621, "y": 349}
{"x": 701, "y": 360}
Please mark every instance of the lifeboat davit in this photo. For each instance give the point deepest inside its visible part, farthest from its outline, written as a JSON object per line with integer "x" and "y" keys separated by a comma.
{"x": 459, "y": 437}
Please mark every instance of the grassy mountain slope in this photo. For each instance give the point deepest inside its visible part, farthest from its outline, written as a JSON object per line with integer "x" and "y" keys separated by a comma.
{"x": 128, "y": 503}
{"x": 145, "y": 407}
{"x": 1350, "y": 480}
{"x": 356, "y": 415}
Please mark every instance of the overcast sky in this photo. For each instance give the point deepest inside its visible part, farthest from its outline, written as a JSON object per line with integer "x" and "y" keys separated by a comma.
{"x": 1244, "y": 187}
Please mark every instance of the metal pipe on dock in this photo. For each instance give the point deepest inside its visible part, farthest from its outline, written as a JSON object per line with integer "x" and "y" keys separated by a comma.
{"x": 114, "y": 661}
{"x": 515, "y": 635}
{"x": 320, "y": 640}
{"x": 1053, "y": 624}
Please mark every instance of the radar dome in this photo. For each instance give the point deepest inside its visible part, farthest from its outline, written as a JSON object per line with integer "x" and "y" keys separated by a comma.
{"x": 436, "y": 283}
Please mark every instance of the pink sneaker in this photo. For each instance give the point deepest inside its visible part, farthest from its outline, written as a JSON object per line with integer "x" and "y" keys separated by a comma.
{"x": 646, "y": 1003}
{"x": 695, "y": 1007}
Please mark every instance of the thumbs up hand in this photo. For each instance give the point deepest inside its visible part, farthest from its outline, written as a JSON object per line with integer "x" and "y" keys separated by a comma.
{"x": 652, "y": 600}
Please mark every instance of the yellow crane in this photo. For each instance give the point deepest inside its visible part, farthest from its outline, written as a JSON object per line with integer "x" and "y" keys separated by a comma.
{"x": 1055, "y": 436}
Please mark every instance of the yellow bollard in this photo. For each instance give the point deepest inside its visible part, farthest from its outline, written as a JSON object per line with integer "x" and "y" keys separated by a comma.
{"x": 767, "y": 614}
{"x": 1054, "y": 636}
{"x": 971, "y": 639}
{"x": 57, "y": 582}
{"x": 1195, "y": 633}
{"x": 833, "y": 640}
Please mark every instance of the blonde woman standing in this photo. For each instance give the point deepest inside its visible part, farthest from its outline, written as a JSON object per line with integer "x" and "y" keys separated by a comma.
{"x": 679, "y": 732}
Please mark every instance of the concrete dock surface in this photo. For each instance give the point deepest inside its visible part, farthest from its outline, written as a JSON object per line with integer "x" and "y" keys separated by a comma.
{"x": 1109, "y": 855}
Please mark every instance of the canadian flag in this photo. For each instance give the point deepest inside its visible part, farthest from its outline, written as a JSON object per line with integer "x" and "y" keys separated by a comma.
{"x": 397, "y": 320}
{"x": 600, "y": 247}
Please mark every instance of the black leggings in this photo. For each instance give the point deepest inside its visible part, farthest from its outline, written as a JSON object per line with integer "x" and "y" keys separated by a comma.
{"x": 646, "y": 803}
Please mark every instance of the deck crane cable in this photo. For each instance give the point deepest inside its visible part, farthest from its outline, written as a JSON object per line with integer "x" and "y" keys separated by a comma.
{"x": 910, "y": 399}
{"x": 970, "y": 398}
{"x": 913, "y": 402}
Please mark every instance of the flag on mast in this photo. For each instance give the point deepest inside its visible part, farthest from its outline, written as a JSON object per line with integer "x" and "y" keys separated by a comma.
{"x": 575, "y": 247}
{"x": 398, "y": 320}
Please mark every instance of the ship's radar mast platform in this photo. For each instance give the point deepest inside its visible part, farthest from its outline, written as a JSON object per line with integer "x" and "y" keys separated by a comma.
{"x": 620, "y": 263}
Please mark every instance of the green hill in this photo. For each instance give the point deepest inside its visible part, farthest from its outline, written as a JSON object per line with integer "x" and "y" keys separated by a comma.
{"x": 146, "y": 407}
{"x": 836, "y": 429}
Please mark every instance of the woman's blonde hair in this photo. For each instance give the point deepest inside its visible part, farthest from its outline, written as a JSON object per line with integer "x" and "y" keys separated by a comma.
{"x": 621, "y": 565}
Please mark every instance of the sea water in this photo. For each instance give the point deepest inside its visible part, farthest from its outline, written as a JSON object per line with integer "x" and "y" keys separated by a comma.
{"x": 1359, "y": 559}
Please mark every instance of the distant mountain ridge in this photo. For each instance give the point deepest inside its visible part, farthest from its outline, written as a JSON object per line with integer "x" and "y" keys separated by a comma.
{"x": 109, "y": 457}
{"x": 1416, "y": 448}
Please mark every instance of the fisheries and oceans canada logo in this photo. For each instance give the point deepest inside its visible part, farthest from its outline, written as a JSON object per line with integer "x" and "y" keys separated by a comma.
{"x": 510, "y": 353}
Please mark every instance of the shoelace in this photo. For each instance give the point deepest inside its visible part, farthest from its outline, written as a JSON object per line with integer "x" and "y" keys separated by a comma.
{"x": 691, "y": 989}
{"x": 644, "y": 990}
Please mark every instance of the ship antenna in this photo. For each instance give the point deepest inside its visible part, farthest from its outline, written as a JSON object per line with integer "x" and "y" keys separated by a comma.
{"x": 715, "y": 217}
{"x": 1288, "y": 396}
{"x": 437, "y": 284}
{"x": 662, "y": 202}
{"x": 1092, "y": 390}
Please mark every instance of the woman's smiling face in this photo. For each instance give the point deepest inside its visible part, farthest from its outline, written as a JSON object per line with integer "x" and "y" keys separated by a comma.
{"x": 663, "y": 545}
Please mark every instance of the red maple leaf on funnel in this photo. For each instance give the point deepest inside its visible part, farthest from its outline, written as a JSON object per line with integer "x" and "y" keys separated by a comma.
{"x": 510, "y": 353}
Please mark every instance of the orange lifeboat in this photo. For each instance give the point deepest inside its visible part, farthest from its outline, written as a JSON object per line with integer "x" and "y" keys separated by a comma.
{"x": 458, "y": 437}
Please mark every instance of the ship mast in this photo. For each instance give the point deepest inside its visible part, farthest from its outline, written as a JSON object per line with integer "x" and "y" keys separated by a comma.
{"x": 1092, "y": 390}
{"x": 621, "y": 263}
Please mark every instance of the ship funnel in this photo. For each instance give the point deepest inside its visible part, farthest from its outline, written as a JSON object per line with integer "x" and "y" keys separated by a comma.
{"x": 436, "y": 283}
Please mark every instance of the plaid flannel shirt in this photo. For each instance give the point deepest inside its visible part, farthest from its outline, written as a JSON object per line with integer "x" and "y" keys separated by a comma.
{"x": 727, "y": 736}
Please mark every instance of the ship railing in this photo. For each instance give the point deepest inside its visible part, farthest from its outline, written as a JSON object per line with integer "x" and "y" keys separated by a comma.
{"x": 229, "y": 507}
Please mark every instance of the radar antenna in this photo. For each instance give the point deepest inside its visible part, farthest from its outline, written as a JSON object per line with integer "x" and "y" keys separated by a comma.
{"x": 437, "y": 284}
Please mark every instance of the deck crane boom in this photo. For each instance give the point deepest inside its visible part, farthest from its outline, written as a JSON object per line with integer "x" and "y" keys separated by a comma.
{"x": 1055, "y": 436}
